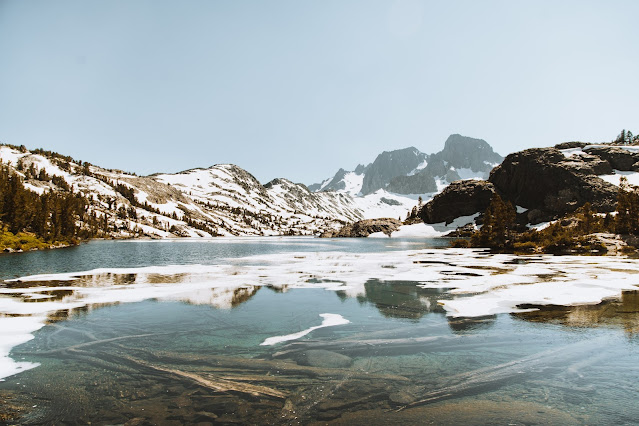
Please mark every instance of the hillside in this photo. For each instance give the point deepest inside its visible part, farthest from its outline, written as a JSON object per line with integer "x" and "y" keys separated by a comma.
{"x": 220, "y": 200}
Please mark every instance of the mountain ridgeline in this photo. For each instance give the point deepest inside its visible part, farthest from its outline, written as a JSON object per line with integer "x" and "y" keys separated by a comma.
{"x": 410, "y": 171}
{"x": 60, "y": 200}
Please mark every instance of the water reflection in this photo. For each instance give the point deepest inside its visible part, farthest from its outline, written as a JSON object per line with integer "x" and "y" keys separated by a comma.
{"x": 219, "y": 297}
{"x": 400, "y": 299}
{"x": 463, "y": 325}
{"x": 623, "y": 313}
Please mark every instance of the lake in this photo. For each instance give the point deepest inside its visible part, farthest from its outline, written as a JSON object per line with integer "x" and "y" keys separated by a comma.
{"x": 315, "y": 331}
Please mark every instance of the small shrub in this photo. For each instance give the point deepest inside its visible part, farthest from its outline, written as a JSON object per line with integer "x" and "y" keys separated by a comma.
{"x": 525, "y": 247}
{"x": 460, "y": 243}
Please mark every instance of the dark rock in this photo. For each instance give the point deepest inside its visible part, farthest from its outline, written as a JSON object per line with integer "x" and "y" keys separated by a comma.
{"x": 436, "y": 166}
{"x": 538, "y": 216}
{"x": 337, "y": 183}
{"x": 364, "y": 228}
{"x": 390, "y": 201}
{"x": 360, "y": 169}
{"x": 619, "y": 158}
{"x": 419, "y": 183}
{"x": 569, "y": 145}
{"x": 460, "y": 198}
{"x": 469, "y": 153}
{"x": 598, "y": 165}
{"x": 544, "y": 179}
{"x": 452, "y": 175}
{"x": 465, "y": 231}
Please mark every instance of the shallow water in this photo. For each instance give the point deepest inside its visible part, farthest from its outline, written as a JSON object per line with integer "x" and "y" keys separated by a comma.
{"x": 123, "y": 345}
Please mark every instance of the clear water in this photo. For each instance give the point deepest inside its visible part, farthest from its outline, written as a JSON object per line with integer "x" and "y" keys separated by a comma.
{"x": 400, "y": 360}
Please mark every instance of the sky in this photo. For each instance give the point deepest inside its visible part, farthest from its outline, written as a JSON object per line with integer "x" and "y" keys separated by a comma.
{"x": 298, "y": 89}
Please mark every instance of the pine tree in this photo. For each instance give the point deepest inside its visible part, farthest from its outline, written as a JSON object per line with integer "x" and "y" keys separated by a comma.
{"x": 499, "y": 221}
{"x": 622, "y": 220}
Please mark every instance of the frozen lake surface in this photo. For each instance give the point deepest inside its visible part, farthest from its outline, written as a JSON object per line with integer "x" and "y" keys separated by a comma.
{"x": 302, "y": 330}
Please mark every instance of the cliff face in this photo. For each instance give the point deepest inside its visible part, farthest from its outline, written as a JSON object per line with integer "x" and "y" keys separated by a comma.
{"x": 389, "y": 165}
{"x": 544, "y": 182}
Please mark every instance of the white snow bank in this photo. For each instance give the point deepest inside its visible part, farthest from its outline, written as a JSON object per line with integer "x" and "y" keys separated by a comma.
{"x": 423, "y": 230}
{"x": 633, "y": 177}
{"x": 330, "y": 320}
{"x": 411, "y": 231}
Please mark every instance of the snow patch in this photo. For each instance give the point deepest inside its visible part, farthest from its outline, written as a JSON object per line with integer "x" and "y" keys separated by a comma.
{"x": 632, "y": 177}
{"x": 330, "y": 320}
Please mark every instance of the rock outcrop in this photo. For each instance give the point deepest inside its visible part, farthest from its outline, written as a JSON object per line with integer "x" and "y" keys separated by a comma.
{"x": 550, "y": 184}
{"x": 545, "y": 181}
{"x": 619, "y": 158}
{"x": 364, "y": 228}
{"x": 460, "y": 198}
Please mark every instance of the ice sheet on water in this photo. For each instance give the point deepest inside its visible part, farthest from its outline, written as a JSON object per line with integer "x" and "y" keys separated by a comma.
{"x": 489, "y": 284}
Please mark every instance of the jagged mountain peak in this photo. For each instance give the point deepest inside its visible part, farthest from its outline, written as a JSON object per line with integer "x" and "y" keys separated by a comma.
{"x": 410, "y": 171}
{"x": 470, "y": 153}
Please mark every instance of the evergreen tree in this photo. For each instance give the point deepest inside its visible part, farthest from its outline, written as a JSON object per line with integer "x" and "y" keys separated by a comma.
{"x": 497, "y": 228}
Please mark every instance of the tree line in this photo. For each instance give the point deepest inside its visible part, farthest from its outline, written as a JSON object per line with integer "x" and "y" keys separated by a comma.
{"x": 54, "y": 216}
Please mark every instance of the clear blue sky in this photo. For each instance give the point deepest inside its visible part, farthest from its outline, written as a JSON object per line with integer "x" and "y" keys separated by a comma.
{"x": 298, "y": 89}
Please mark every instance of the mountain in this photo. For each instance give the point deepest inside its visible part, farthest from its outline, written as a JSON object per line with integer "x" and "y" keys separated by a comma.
{"x": 544, "y": 183}
{"x": 219, "y": 200}
{"x": 390, "y": 164}
{"x": 409, "y": 171}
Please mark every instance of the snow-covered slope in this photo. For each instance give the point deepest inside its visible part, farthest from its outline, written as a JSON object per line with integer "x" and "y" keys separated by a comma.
{"x": 220, "y": 200}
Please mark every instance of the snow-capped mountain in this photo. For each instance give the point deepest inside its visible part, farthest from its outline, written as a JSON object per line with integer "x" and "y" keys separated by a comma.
{"x": 409, "y": 171}
{"x": 219, "y": 200}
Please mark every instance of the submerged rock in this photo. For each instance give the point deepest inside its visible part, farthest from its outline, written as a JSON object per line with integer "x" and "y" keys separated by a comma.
{"x": 323, "y": 358}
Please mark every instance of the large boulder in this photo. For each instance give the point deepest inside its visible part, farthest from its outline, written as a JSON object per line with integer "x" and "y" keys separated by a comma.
{"x": 460, "y": 198}
{"x": 544, "y": 180}
{"x": 364, "y": 228}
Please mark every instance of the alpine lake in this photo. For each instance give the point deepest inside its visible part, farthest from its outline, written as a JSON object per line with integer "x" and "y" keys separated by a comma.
{"x": 315, "y": 331}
